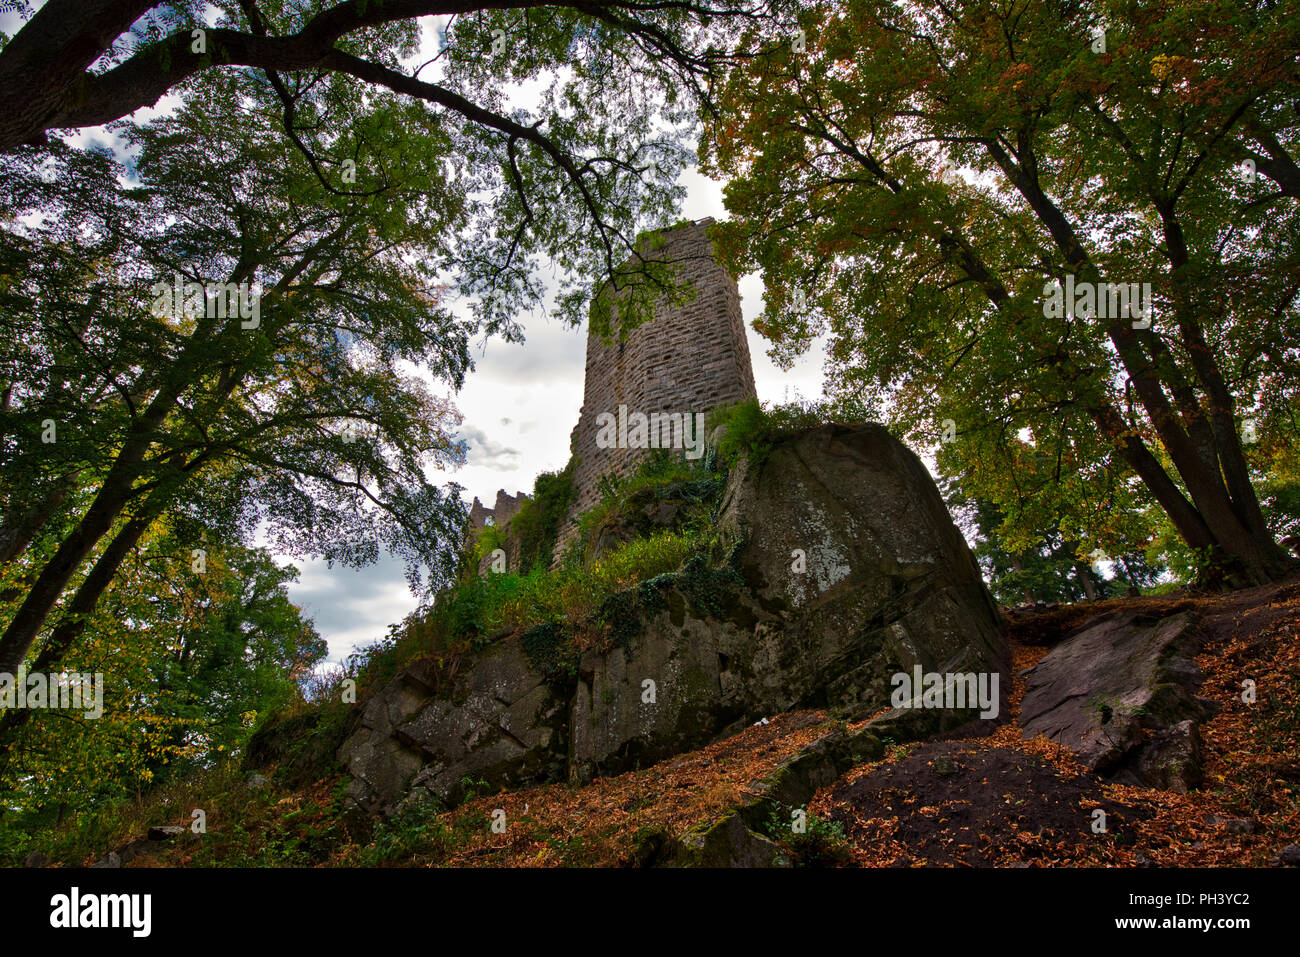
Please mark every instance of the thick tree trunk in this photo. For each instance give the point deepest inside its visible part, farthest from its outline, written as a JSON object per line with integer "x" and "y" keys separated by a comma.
{"x": 1227, "y": 451}
{"x": 1024, "y": 588}
{"x": 41, "y": 65}
{"x": 45, "y": 83}
{"x": 18, "y": 533}
{"x": 49, "y": 585}
{"x": 1240, "y": 543}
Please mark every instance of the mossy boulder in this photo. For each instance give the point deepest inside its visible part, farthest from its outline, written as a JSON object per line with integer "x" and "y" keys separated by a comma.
{"x": 299, "y": 747}
{"x": 844, "y": 529}
{"x": 499, "y": 720}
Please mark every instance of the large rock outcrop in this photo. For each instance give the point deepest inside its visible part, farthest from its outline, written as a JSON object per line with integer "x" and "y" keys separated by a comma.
{"x": 1121, "y": 693}
{"x": 843, "y": 568}
{"x": 433, "y": 730}
{"x": 846, "y": 535}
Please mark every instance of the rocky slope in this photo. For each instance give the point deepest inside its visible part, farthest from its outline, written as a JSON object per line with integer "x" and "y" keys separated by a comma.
{"x": 839, "y": 569}
{"x": 951, "y": 797}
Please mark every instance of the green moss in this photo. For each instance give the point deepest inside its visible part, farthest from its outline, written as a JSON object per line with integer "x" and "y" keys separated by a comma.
{"x": 753, "y": 431}
{"x": 648, "y": 844}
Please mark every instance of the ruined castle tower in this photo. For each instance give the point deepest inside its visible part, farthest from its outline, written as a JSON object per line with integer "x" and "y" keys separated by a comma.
{"x": 505, "y": 508}
{"x": 689, "y": 358}
{"x": 501, "y": 513}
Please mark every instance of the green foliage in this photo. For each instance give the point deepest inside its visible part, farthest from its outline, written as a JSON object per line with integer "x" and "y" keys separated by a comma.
{"x": 703, "y": 584}
{"x": 752, "y": 430}
{"x": 822, "y": 843}
{"x": 327, "y": 352}
{"x": 748, "y": 433}
{"x": 558, "y": 612}
{"x": 490, "y": 538}
{"x": 190, "y": 663}
{"x": 1051, "y": 569}
{"x": 550, "y": 651}
{"x": 472, "y": 611}
{"x": 1280, "y": 499}
{"x": 79, "y": 839}
{"x": 662, "y": 477}
{"x": 914, "y": 203}
{"x": 472, "y": 787}
{"x": 568, "y": 599}
{"x": 537, "y": 523}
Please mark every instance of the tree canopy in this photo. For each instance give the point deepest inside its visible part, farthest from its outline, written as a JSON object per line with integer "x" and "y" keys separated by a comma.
{"x": 305, "y": 166}
{"x": 923, "y": 176}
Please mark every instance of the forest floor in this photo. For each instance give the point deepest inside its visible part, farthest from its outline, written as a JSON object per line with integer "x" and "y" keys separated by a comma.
{"x": 993, "y": 801}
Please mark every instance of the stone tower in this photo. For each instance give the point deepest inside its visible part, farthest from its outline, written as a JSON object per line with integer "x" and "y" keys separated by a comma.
{"x": 689, "y": 358}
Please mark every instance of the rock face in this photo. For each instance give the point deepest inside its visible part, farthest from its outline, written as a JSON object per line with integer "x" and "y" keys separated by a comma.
{"x": 1120, "y": 692}
{"x": 845, "y": 533}
{"x": 499, "y": 721}
{"x": 886, "y": 584}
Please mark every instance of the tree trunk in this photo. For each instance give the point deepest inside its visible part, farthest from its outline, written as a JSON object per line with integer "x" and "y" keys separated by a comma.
{"x": 112, "y": 498}
{"x": 1084, "y": 574}
{"x": 1024, "y": 586}
{"x": 73, "y": 622}
{"x": 18, "y": 533}
{"x": 1240, "y": 544}
{"x": 41, "y": 65}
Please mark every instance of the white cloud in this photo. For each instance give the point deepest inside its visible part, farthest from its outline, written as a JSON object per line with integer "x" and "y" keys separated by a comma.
{"x": 487, "y": 452}
{"x": 352, "y": 607}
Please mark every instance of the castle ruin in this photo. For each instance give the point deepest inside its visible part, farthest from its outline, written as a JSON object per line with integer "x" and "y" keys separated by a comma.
{"x": 504, "y": 509}
{"x": 691, "y": 357}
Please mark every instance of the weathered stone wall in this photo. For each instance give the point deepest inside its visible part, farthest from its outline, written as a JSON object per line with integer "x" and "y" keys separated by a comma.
{"x": 689, "y": 358}
{"x": 504, "y": 509}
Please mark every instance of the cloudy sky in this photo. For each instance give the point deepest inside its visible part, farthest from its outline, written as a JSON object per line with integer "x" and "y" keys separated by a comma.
{"x": 519, "y": 405}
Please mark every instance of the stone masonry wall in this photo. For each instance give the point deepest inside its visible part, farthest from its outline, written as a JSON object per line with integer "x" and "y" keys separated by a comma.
{"x": 504, "y": 509}
{"x": 689, "y": 358}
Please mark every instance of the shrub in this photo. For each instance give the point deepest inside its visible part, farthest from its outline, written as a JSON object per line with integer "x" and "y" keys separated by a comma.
{"x": 752, "y": 430}
{"x": 822, "y": 843}
{"x": 537, "y": 523}
{"x": 570, "y": 599}
{"x": 578, "y": 604}
{"x": 660, "y": 477}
